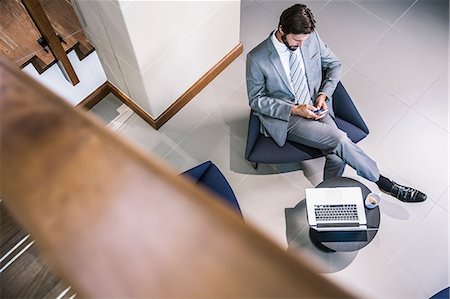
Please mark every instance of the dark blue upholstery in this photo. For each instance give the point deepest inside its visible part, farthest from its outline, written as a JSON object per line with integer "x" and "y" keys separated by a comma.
{"x": 208, "y": 175}
{"x": 261, "y": 149}
{"x": 444, "y": 294}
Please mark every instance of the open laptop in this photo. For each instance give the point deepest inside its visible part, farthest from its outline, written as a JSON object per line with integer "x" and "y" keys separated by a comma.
{"x": 336, "y": 209}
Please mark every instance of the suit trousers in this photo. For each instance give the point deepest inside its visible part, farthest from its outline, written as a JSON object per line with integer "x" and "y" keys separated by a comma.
{"x": 334, "y": 143}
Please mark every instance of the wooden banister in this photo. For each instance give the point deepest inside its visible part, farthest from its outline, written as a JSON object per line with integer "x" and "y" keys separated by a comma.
{"x": 115, "y": 222}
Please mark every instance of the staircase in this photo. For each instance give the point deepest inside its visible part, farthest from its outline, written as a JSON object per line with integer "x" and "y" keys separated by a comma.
{"x": 23, "y": 274}
{"x": 19, "y": 36}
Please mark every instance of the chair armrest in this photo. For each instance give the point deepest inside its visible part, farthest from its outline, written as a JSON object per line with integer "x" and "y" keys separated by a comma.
{"x": 345, "y": 109}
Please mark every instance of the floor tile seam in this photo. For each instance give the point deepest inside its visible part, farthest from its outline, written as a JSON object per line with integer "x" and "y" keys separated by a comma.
{"x": 410, "y": 184}
{"x": 408, "y": 106}
{"x": 222, "y": 80}
{"x": 118, "y": 118}
{"x": 228, "y": 131}
{"x": 240, "y": 182}
{"x": 271, "y": 165}
{"x": 177, "y": 145}
{"x": 242, "y": 141}
{"x": 386, "y": 90}
{"x": 445, "y": 211}
{"x": 431, "y": 120}
{"x": 297, "y": 235}
{"x": 323, "y": 6}
{"x": 436, "y": 78}
{"x": 245, "y": 4}
{"x": 292, "y": 182}
{"x": 404, "y": 13}
{"x": 448, "y": 199}
{"x": 266, "y": 9}
{"x": 408, "y": 275}
{"x": 415, "y": 40}
{"x": 411, "y": 231}
{"x": 397, "y": 262}
{"x": 320, "y": 9}
{"x": 355, "y": 68}
{"x": 372, "y": 13}
{"x": 409, "y": 109}
{"x": 438, "y": 198}
{"x": 413, "y": 105}
{"x": 389, "y": 28}
{"x": 382, "y": 138}
{"x": 276, "y": 16}
{"x": 398, "y": 253}
{"x": 125, "y": 125}
{"x": 210, "y": 112}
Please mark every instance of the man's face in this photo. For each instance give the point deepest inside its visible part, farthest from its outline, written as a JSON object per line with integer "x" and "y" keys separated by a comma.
{"x": 293, "y": 41}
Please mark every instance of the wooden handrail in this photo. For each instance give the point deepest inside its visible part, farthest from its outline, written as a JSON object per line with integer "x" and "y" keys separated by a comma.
{"x": 115, "y": 222}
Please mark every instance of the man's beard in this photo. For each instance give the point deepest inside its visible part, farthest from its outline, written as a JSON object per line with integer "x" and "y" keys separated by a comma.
{"x": 284, "y": 39}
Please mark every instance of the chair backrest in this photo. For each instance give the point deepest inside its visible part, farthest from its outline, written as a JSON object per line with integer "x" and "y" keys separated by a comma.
{"x": 345, "y": 109}
{"x": 208, "y": 175}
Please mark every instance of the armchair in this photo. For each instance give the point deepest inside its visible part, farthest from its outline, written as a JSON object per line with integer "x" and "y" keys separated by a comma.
{"x": 261, "y": 149}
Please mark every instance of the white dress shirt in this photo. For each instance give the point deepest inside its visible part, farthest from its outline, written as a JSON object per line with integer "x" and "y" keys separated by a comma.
{"x": 284, "y": 53}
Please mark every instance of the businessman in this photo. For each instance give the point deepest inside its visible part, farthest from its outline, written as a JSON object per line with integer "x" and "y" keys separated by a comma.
{"x": 291, "y": 77}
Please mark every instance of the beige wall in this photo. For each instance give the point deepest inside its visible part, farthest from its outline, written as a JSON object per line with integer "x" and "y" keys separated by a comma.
{"x": 155, "y": 50}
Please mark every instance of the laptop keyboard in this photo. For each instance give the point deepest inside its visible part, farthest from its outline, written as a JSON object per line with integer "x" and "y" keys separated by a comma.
{"x": 345, "y": 212}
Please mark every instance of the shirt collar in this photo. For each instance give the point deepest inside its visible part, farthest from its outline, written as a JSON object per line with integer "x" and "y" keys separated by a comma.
{"x": 280, "y": 46}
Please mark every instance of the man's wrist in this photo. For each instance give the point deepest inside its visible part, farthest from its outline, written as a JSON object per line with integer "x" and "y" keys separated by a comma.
{"x": 327, "y": 98}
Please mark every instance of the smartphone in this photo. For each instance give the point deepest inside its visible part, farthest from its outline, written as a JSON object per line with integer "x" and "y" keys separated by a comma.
{"x": 320, "y": 111}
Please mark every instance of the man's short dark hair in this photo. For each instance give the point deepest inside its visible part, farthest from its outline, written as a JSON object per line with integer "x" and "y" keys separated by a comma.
{"x": 297, "y": 19}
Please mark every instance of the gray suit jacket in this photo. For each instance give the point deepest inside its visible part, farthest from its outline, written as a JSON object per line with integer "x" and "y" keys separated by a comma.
{"x": 269, "y": 91}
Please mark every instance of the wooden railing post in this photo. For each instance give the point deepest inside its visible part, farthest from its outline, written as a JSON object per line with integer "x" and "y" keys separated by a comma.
{"x": 115, "y": 222}
{"x": 41, "y": 21}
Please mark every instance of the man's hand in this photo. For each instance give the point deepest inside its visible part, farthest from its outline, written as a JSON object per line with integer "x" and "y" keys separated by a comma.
{"x": 306, "y": 111}
{"x": 320, "y": 102}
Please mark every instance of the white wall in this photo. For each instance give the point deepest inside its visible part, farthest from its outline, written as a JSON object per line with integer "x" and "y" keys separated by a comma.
{"x": 155, "y": 50}
{"x": 89, "y": 72}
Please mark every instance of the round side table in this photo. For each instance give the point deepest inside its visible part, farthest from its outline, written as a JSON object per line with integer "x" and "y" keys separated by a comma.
{"x": 347, "y": 240}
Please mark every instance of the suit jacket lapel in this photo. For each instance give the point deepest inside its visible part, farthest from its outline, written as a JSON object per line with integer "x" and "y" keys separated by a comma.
{"x": 275, "y": 59}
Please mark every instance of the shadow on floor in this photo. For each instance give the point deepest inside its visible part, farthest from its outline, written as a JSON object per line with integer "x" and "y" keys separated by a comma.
{"x": 297, "y": 235}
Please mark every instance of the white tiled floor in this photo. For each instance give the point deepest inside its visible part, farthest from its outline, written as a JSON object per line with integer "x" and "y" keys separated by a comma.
{"x": 396, "y": 69}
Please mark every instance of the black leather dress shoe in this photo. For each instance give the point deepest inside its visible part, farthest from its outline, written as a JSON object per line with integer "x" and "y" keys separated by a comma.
{"x": 406, "y": 194}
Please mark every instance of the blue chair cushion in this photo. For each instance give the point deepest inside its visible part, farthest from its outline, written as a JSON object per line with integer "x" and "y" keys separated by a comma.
{"x": 209, "y": 176}
{"x": 267, "y": 151}
{"x": 444, "y": 294}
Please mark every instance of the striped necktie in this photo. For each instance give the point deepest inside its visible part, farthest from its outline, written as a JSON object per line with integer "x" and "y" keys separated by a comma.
{"x": 298, "y": 80}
